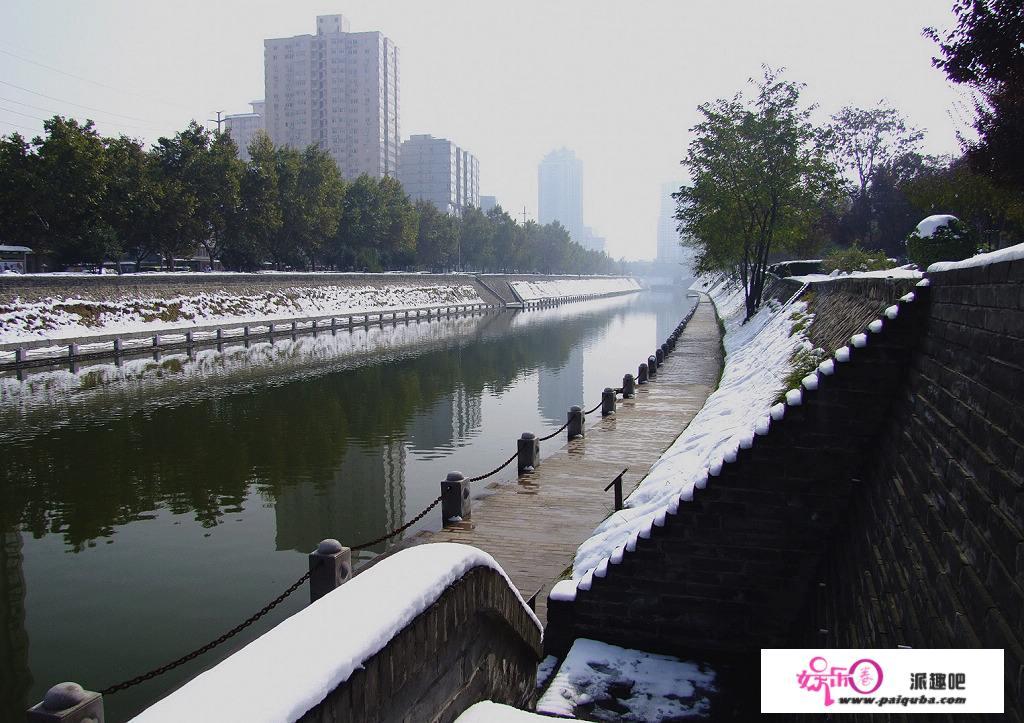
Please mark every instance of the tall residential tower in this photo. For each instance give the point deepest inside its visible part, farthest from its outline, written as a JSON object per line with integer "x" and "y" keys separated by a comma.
{"x": 437, "y": 170}
{"x": 560, "y": 191}
{"x": 339, "y": 90}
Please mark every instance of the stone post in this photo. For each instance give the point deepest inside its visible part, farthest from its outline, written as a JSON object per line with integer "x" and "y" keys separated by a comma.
{"x": 659, "y": 355}
{"x": 575, "y": 428}
{"x": 628, "y": 387}
{"x": 641, "y": 375}
{"x": 652, "y": 366}
{"x": 528, "y": 447}
{"x": 607, "y": 402}
{"x": 455, "y": 501}
{"x": 68, "y": 703}
{"x": 330, "y": 564}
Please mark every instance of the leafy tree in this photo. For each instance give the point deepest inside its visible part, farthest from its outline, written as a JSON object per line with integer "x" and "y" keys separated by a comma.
{"x": 20, "y": 192}
{"x": 259, "y": 214}
{"x": 855, "y": 258}
{"x": 760, "y": 175}
{"x": 71, "y": 166}
{"x": 182, "y": 173}
{"x": 986, "y": 52}
{"x": 133, "y": 201}
{"x": 397, "y": 230}
{"x": 867, "y": 142}
{"x": 951, "y": 241}
{"x": 320, "y": 190}
{"x": 218, "y": 183}
{"x": 476, "y": 239}
{"x": 437, "y": 239}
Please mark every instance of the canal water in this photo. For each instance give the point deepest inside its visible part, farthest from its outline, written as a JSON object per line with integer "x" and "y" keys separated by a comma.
{"x": 148, "y": 507}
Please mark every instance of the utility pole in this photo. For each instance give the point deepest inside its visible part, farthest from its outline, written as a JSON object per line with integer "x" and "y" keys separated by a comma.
{"x": 218, "y": 120}
{"x": 524, "y": 215}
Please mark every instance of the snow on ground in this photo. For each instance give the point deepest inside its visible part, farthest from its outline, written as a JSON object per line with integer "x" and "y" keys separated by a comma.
{"x": 69, "y": 318}
{"x": 556, "y": 288}
{"x": 758, "y": 359}
{"x": 1011, "y": 253}
{"x": 287, "y": 671}
{"x": 488, "y": 712}
{"x": 900, "y": 272}
{"x": 606, "y": 682}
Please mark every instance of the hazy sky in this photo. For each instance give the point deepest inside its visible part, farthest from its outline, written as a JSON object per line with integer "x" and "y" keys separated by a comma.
{"x": 618, "y": 82}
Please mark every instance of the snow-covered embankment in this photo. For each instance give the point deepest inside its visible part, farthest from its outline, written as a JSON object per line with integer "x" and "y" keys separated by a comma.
{"x": 560, "y": 288}
{"x": 759, "y": 356}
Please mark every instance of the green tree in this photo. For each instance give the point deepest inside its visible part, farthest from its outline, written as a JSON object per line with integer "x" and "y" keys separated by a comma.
{"x": 71, "y": 165}
{"x": 760, "y": 176}
{"x": 476, "y": 239}
{"x": 437, "y": 238}
{"x": 259, "y": 216}
{"x": 20, "y": 192}
{"x": 182, "y": 172}
{"x": 985, "y": 50}
{"x": 218, "y": 180}
{"x": 132, "y": 205}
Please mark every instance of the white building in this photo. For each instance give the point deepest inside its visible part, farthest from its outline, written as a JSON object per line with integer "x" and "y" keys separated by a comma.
{"x": 560, "y": 191}
{"x": 437, "y": 170}
{"x": 488, "y": 202}
{"x": 244, "y": 126}
{"x": 339, "y": 90}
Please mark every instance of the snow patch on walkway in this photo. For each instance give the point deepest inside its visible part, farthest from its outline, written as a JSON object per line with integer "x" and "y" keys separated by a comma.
{"x": 606, "y": 682}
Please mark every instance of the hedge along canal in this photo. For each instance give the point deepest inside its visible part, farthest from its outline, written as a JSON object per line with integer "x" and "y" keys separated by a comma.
{"x": 148, "y": 508}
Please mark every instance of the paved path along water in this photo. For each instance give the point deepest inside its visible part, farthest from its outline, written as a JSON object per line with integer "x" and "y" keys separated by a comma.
{"x": 533, "y": 527}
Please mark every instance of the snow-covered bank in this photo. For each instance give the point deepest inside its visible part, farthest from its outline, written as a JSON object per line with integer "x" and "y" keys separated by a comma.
{"x": 297, "y": 664}
{"x": 758, "y": 359}
{"x": 70, "y": 317}
{"x": 536, "y": 289}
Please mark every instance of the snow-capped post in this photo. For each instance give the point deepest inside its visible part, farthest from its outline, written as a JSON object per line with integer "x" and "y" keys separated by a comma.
{"x": 641, "y": 375}
{"x": 659, "y": 355}
{"x": 117, "y": 347}
{"x": 607, "y": 402}
{"x": 652, "y": 366}
{"x": 156, "y": 341}
{"x": 72, "y": 350}
{"x": 455, "y": 502}
{"x": 628, "y": 387}
{"x": 575, "y": 428}
{"x": 68, "y": 703}
{"x": 528, "y": 452}
{"x": 330, "y": 564}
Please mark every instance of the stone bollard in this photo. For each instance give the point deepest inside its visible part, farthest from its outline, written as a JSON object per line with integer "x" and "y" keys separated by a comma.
{"x": 628, "y": 387}
{"x": 575, "y": 428}
{"x": 455, "y": 502}
{"x": 330, "y": 564}
{"x": 68, "y": 703}
{"x": 607, "y": 402}
{"x": 528, "y": 447}
{"x": 641, "y": 374}
{"x": 652, "y": 366}
{"x": 659, "y": 355}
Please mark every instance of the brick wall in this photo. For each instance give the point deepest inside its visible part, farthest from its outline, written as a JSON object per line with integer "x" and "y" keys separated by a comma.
{"x": 887, "y": 509}
{"x": 475, "y": 643}
{"x": 931, "y": 553}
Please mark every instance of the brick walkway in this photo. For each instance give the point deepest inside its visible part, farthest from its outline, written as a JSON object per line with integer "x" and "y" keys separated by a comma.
{"x": 533, "y": 528}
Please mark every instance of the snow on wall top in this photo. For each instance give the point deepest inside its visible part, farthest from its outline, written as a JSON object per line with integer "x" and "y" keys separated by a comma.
{"x": 900, "y": 272}
{"x": 1011, "y": 253}
{"x": 555, "y": 288}
{"x": 928, "y": 226}
{"x": 290, "y": 669}
{"x": 757, "y": 361}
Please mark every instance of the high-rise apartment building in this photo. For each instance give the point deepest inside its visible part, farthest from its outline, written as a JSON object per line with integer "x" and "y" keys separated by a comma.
{"x": 560, "y": 191}
{"x": 339, "y": 90}
{"x": 670, "y": 250}
{"x": 437, "y": 170}
{"x": 244, "y": 126}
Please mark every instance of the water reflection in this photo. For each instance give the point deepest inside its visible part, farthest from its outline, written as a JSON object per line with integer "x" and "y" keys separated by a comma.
{"x": 188, "y": 488}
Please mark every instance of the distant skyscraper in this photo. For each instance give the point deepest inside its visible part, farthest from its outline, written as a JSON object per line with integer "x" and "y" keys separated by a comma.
{"x": 560, "y": 191}
{"x": 670, "y": 251}
{"x": 488, "y": 202}
{"x": 336, "y": 89}
{"x": 437, "y": 170}
{"x": 243, "y": 127}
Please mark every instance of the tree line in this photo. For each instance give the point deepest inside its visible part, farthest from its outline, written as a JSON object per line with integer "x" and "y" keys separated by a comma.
{"x": 766, "y": 182}
{"x": 80, "y": 198}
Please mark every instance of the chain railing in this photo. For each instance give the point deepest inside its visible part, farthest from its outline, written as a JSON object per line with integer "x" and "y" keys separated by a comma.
{"x": 366, "y": 545}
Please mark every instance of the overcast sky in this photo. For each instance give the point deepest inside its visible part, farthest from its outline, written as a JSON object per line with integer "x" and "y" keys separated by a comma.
{"x": 617, "y": 82}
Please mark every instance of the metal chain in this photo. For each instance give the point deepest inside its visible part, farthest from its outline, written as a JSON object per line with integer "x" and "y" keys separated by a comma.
{"x": 503, "y": 465}
{"x": 555, "y": 433}
{"x": 302, "y": 580}
{"x": 210, "y": 645}
{"x": 403, "y": 528}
